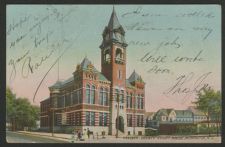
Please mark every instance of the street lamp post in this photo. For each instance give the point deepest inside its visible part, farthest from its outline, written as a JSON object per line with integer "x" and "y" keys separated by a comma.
{"x": 117, "y": 129}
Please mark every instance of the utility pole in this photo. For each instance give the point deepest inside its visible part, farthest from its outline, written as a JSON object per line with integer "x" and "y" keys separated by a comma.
{"x": 117, "y": 129}
{"x": 53, "y": 120}
{"x": 134, "y": 112}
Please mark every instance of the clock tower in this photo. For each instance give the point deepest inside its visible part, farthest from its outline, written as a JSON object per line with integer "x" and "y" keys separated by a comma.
{"x": 113, "y": 66}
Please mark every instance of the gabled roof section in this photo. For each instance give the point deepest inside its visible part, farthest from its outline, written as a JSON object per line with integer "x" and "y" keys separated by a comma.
{"x": 165, "y": 112}
{"x": 135, "y": 77}
{"x": 183, "y": 113}
{"x": 60, "y": 84}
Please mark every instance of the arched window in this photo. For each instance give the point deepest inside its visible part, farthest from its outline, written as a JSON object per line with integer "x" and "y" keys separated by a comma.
{"x": 107, "y": 57}
{"x": 119, "y": 53}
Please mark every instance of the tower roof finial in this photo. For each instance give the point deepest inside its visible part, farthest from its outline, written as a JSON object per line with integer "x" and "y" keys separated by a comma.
{"x": 113, "y": 22}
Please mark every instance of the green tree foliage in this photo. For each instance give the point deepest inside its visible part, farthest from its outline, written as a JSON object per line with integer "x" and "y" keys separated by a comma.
{"x": 210, "y": 103}
{"x": 19, "y": 112}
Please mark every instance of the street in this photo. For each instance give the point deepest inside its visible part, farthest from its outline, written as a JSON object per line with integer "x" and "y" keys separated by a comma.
{"x": 14, "y": 137}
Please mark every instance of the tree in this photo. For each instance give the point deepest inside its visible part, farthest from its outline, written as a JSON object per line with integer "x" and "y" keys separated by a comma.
{"x": 209, "y": 102}
{"x": 19, "y": 112}
{"x": 10, "y": 107}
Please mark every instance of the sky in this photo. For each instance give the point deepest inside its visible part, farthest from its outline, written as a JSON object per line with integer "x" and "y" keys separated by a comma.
{"x": 175, "y": 48}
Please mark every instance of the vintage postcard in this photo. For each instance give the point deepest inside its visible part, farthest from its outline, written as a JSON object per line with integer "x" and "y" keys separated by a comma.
{"x": 113, "y": 73}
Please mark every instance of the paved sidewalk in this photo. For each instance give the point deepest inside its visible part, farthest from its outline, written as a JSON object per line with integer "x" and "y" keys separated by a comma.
{"x": 148, "y": 139}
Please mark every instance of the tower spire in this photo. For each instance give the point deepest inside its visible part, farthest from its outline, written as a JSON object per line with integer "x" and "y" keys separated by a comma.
{"x": 113, "y": 22}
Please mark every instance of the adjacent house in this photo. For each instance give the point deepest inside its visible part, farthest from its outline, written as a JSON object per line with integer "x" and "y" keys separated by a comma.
{"x": 183, "y": 116}
{"x": 149, "y": 121}
{"x": 198, "y": 116}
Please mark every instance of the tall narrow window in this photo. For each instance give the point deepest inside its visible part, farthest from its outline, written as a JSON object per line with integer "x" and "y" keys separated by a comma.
{"x": 75, "y": 99}
{"x": 92, "y": 119}
{"x": 88, "y": 118}
{"x": 92, "y": 100}
{"x": 119, "y": 74}
{"x": 116, "y": 94}
{"x": 129, "y": 120}
{"x": 128, "y": 100}
{"x": 100, "y": 119}
{"x": 131, "y": 101}
{"x": 122, "y": 96}
{"x": 79, "y": 96}
{"x": 68, "y": 99}
{"x": 88, "y": 92}
{"x": 142, "y": 102}
{"x": 105, "y": 97}
{"x": 105, "y": 118}
{"x": 101, "y": 96}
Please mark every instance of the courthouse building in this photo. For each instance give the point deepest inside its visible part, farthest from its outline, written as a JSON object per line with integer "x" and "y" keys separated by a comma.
{"x": 100, "y": 101}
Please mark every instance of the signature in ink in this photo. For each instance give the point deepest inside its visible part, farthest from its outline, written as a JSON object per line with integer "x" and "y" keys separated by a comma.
{"x": 185, "y": 85}
{"x": 29, "y": 68}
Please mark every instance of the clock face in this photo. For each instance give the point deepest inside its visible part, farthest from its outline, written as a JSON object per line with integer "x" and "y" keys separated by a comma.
{"x": 118, "y": 35}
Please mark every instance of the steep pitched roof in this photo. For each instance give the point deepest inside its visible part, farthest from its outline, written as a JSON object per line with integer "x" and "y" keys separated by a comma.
{"x": 113, "y": 22}
{"x": 161, "y": 112}
{"x": 85, "y": 63}
{"x": 135, "y": 77}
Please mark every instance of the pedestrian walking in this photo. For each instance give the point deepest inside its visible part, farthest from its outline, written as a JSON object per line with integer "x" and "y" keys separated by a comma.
{"x": 88, "y": 133}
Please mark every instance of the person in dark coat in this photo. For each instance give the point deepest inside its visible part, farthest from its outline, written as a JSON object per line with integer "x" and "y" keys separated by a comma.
{"x": 88, "y": 133}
